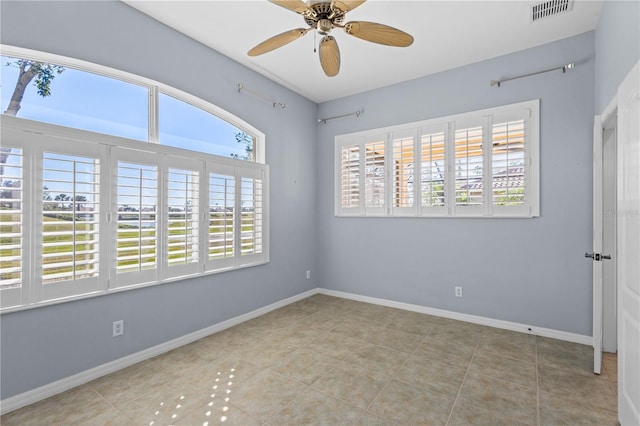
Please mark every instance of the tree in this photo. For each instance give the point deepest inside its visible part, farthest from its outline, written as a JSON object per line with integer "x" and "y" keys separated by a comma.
{"x": 42, "y": 75}
{"x": 247, "y": 140}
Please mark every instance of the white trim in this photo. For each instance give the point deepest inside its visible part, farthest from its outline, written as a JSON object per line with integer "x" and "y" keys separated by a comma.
{"x": 475, "y": 319}
{"x": 29, "y": 397}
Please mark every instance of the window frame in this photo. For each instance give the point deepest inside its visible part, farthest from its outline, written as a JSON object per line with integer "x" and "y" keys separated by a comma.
{"x": 528, "y": 111}
{"x": 34, "y": 138}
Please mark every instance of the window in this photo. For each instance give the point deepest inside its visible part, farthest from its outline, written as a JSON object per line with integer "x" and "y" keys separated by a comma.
{"x": 88, "y": 205}
{"x": 86, "y": 96}
{"x": 478, "y": 164}
{"x": 113, "y": 215}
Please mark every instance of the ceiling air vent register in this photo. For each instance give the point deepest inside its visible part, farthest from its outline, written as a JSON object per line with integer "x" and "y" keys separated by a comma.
{"x": 550, "y": 8}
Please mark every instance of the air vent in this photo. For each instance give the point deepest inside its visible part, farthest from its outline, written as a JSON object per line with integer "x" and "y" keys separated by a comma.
{"x": 550, "y": 8}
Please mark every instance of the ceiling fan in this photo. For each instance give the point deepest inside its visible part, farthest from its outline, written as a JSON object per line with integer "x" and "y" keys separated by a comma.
{"x": 324, "y": 16}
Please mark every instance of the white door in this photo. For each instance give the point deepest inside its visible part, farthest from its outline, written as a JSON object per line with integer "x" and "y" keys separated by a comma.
{"x": 629, "y": 249}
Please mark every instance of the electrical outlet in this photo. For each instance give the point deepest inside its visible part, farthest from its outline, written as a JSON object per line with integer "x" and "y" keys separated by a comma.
{"x": 458, "y": 291}
{"x": 308, "y": 275}
{"x": 118, "y": 328}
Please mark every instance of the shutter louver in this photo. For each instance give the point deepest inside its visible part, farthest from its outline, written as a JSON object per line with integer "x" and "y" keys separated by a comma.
{"x": 137, "y": 225}
{"x": 468, "y": 167}
{"x": 70, "y": 217}
{"x": 508, "y": 163}
{"x": 11, "y": 219}
{"x": 221, "y": 216}
{"x": 403, "y": 172}
{"x": 183, "y": 216}
{"x": 432, "y": 169}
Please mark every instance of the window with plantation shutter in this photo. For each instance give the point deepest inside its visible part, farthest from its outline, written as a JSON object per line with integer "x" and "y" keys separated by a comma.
{"x": 183, "y": 221}
{"x": 508, "y": 163}
{"x": 476, "y": 164}
{"x": 468, "y": 166}
{"x": 137, "y": 222}
{"x": 432, "y": 170}
{"x": 251, "y": 217}
{"x": 70, "y": 217}
{"x": 222, "y": 217}
{"x": 374, "y": 175}
{"x": 12, "y": 223}
{"x": 403, "y": 173}
{"x": 350, "y": 178}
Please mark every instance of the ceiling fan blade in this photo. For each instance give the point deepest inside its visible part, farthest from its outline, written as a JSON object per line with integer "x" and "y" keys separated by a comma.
{"x": 378, "y": 33}
{"x": 277, "y": 41}
{"x": 329, "y": 56}
{"x": 346, "y": 5}
{"x": 295, "y": 6}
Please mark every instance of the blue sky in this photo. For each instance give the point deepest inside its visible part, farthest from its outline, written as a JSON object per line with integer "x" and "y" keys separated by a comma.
{"x": 92, "y": 102}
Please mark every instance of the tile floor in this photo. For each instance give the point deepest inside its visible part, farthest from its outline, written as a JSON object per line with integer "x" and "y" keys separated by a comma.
{"x": 332, "y": 361}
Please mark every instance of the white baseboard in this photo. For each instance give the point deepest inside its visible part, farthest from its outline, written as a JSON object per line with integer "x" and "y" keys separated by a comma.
{"x": 48, "y": 390}
{"x": 507, "y": 325}
{"x": 51, "y": 389}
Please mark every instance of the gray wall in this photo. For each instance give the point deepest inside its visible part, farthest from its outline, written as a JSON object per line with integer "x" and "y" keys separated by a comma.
{"x": 617, "y": 47}
{"x": 42, "y": 345}
{"x": 529, "y": 271}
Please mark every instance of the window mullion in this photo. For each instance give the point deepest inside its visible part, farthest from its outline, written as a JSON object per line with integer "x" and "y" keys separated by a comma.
{"x": 153, "y": 114}
{"x": 417, "y": 171}
{"x": 450, "y": 177}
{"x": 487, "y": 173}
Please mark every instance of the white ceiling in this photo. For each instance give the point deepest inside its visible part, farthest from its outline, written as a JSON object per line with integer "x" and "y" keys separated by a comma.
{"x": 447, "y": 34}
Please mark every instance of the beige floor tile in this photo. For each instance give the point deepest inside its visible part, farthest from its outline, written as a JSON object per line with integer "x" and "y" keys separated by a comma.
{"x": 164, "y": 405}
{"x": 412, "y": 322}
{"x": 265, "y": 354}
{"x": 578, "y": 362}
{"x": 355, "y": 385}
{"x": 133, "y": 382}
{"x": 459, "y": 334}
{"x": 110, "y": 418}
{"x": 368, "y": 419}
{"x": 470, "y": 414}
{"x": 513, "y": 401}
{"x": 504, "y": 368}
{"x": 217, "y": 374}
{"x": 217, "y": 413}
{"x": 555, "y": 410}
{"x": 315, "y": 408}
{"x": 295, "y": 335}
{"x": 383, "y": 360}
{"x": 586, "y": 388}
{"x": 359, "y": 328}
{"x": 396, "y": 339}
{"x": 510, "y": 344}
{"x": 305, "y": 366}
{"x": 432, "y": 375}
{"x": 407, "y": 405}
{"x": 324, "y": 320}
{"x": 72, "y": 407}
{"x": 561, "y": 345}
{"x": 208, "y": 349}
{"x": 265, "y": 394}
{"x": 610, "y": 366}
{"x": 333, "y": 343}
{"x": 449, "y": 352}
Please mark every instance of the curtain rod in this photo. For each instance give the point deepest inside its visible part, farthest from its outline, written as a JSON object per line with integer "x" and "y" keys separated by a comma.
{"x": 259, "y": 95}
{"x": 564, "y": 68}
{"x": 324, "y": 120}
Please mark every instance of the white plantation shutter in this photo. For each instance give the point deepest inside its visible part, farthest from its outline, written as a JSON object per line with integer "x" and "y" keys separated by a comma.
{"x": 433, "y": 170}
{"x": 477, "y": 164}
{"x": 68, "y": 219}
{"x": 12, "y": 226}
{"x": 375, "y": 176}
{"x": 403, "y": 165}
{"x": 468, "y": 168}
{"x": 350, "y": 179}
{"x": 252, "y": 215}
{"x": 182, "y": 195}
{"x": 222, "y": 218}
{"x": 136, "y": 220}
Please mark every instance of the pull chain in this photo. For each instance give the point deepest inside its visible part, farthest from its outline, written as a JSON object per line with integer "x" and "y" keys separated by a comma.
{"x": 315, "y": 35}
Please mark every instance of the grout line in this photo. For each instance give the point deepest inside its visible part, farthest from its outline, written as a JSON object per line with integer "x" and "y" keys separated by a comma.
{"x": 466, "y": 373}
